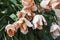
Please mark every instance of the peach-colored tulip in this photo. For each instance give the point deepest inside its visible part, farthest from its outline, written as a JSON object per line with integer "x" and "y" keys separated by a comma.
{"x": 23, "y": 22}
{"x": 29, "y": 13}
{"x": 25, "y": 12}
{"x": 10, "y": 30}
{"x": 30, "y": 4}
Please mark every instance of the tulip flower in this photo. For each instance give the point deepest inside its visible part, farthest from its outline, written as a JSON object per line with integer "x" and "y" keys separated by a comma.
{"x": 55, "y": 30}
{"x": 24, "y": 24}
{"x": 30, "y": 4}
{"x": 37, "y": 21}
{"x": 25, "y": 12}
{"x": 10, "y": 29}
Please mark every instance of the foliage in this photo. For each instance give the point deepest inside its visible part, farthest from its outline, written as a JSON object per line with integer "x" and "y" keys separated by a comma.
{"x": 8, "y": 9}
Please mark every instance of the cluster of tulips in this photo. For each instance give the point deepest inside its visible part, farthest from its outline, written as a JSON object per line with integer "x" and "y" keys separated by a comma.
{"x": 27, "y": 17}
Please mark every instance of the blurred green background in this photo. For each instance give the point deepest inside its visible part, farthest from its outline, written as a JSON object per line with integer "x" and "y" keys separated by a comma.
{"x": 8, "y": 10}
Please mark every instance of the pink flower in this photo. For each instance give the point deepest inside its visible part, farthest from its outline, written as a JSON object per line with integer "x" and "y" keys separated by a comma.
{"x": 23, "y": 23}
{"x": 29, "y": 4}
{"x": 10, "y": 29}
{"x": 25, "y": 12}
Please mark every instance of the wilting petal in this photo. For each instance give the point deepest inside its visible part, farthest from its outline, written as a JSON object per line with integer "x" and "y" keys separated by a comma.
{"x": 10, "y": 30}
